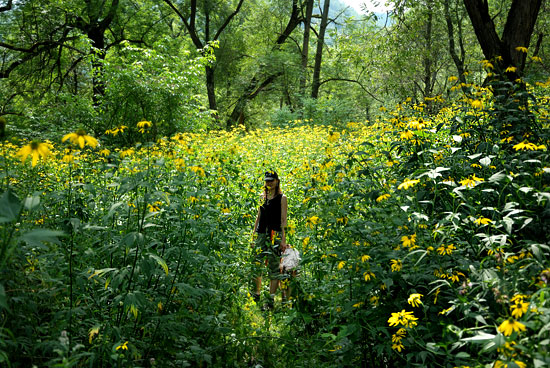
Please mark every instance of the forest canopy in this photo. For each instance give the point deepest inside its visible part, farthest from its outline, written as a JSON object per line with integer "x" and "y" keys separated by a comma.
{"x": 205, "y": 64}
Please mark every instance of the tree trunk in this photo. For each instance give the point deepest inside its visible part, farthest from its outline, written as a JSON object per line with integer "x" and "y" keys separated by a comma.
{"x": 255, "y": 86}
{"x": 428, "y": 85}
{"x": 519, "y": 26}
{"x": 458, "y": 60}
{"x": 210, "y": 88}
{"x": 96, "y": 35}
{"x": 319, "y": 52}
{"x": 194, "y": 33}
{"x": 305, "y": 46}
{"x": 95, "y": 28}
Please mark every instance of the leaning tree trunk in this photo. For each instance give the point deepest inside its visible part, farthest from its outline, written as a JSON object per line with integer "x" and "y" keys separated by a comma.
{"x": 458, "y": 60}
{"x": 319, "y": 53}
{"x": 427, "y": 61}
{"x": 258, "y": 82}
{"x": 305, "y": 46}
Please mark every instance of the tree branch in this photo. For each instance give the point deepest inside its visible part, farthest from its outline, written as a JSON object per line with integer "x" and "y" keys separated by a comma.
{"x": 190, "y": 26}
{"x": 228, "y": 19}
{"x": 6, "y": 7}
{"x": 351, "y": 81}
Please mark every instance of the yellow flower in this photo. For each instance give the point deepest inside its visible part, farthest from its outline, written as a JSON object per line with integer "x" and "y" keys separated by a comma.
{"x": 408, "y": 241}
{"x": 522, "y": 49}
{"x": 401, "y": 333}
{"x": 198, "y": 170}
{"x": 36, "y": 150}
{"x": 406, "y": 319}
{"x": 333, "y": 137}
{"x": 536, "y": 59}
{"x": 518, "y": 298}
{"x": 418, "y": 125}
{"x": 414, "y": 300}
{"x": 382, "y": 197}
{"x": 365, "y": 258}
{"x": 518, "y": 309}
{"x": 80, "y": 138}
{"x": 471, "y": 181}
{"x": 311, "y": 221}
{"x": 477, "y": 104}
{"x": 442, "y": 250}
{"x": 122, "y": 346}
{"x": 408, "y": 184}
{"x": 396, "y": 265}
{"x": 483, "y": 221}
{"x": 68, "y": 158}
{"x": 128, "y": 152}
{"x": 446, "y": 311}
{"x": 511, "y": 69}
{"x": 528, "y": 146}
{"x": 397, "y": 347}
{"x": 143, "y": 125}
{"x": 407, "y": 134}
{"x": 452, "y": 78}
{"x": 510, "y": 326}
{"x": 105, "y": 152}
{"x": 520, "y": 364}
{"x": 368, "y": 276}
{"x": 341, "y": 265}
{"x": 117, "y": 130}
{"x": 487, "y": 64}
{"x": 305, "y": 241}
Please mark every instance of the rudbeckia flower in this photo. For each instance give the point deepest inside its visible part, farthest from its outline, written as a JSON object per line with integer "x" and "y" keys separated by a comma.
{"x": 510, "y": 326}
{"x": 36, "y": 149}
{"x": 80, "y": 138}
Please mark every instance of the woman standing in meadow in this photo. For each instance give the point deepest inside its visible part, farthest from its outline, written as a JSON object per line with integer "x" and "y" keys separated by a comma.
{"x": 270, "y": 228}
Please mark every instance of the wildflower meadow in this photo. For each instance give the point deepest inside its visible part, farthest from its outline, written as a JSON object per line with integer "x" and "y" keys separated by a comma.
{"x": 424, "y": 242}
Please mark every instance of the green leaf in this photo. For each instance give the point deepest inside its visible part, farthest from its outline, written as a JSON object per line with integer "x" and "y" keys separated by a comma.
{"x": 495, "y": 178}
{"x": 161, "y": 262}
{"x": 480, "y": 337}
{"x": 3, "y": 300}
{"x": 10, "y": 206}
{"x": 39, "y": 237}
{"x": 462, "y": 354}
{"x": 32, "y": 202}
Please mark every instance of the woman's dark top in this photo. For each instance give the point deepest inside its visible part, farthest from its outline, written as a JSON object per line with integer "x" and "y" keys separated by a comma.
{"x": 270, "y": 215}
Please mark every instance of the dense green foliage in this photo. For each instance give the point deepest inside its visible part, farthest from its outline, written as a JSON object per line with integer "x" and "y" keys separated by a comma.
{"x": 415, "y": 247}
{"x": 134, "y": 135}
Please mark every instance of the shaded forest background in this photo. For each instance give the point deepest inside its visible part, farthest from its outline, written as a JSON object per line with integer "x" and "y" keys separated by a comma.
{"x": 191, "y": 65}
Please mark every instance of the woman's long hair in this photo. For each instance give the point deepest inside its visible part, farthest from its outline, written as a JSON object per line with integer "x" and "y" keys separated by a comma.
{"x": 277, "y": 191}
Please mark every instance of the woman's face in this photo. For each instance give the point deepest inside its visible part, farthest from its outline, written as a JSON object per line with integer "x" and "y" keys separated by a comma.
{"x": 271, "y": 184}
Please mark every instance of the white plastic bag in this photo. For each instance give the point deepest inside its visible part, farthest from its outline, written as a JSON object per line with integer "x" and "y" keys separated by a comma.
{"x": 290, "y": 259}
